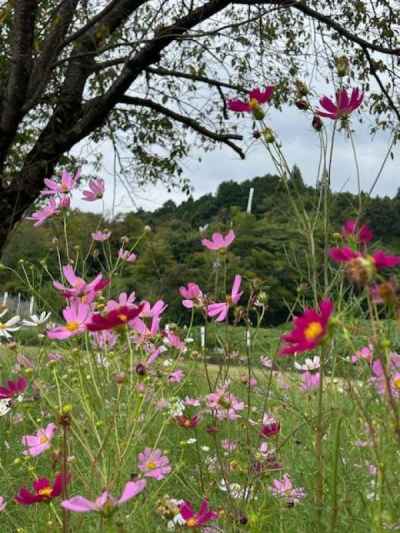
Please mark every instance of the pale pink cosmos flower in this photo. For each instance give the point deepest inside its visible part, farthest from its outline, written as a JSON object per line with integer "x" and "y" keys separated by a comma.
{"x": 65, "y": 186}
{"x": 96, "y": 190}
{"x": 218, "y": 241}
{"x": 79, "y": 504}
{"x": 155, "y": 354}
{"x": 44, "y": 213}
{"x": 124, "y": 300}
{"x": 309, "y": 364}
{"x": 174, "y": 341}
{"x": 310, "y": 381}
{"x": 393, "y": 372}
{"x": 266, "y": 361}
{"x": 101, "y": 236}
{"x": 76, "y": 316}
{"x": 224, "y": 405}
{"x": 39, "y": 443}
{"x": 127, "y": 256}
{"x": 365, "y": 353}
{"x": 191, "y": 402}
{"x": 284, "y": 489}
{"x": 105, "y": 340}
{"x": 79, "y": 287}
{"x": 220, "y": 310}
{"x": 2, "y": 504}
{"x": 192, "y": 294}
{"x": 154, "y": 464}
{"x": 229, "y": 445}
{"x": 176, "y": 376}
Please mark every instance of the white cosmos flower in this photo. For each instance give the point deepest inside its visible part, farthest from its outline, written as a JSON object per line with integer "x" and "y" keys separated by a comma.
{"x": 36, "y": 320}
{"x": 309, "y": 364}
{"x": 10, "y": 325}
{"x": 5, "y": 406}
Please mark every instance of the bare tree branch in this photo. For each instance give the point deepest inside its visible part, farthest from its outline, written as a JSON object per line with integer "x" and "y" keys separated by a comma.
{"x": 187, "y": 121}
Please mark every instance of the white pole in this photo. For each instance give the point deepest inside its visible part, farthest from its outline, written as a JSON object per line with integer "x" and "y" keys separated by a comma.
{"x": 248, "y": 339}
{"x": 203, "y": 337}
{"x": 250, "y": 200}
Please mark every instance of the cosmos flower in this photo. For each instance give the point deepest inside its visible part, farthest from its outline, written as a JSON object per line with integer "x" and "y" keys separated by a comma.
{"x": 362, "y": 234}
{"x": 365, "y": 353}
{"x": 79, "y": 287}
{"x": 6, "y": 328}
{"x": 39, "y": 443}
{"x": 76, "y": 316}
{"x": 96, "y": 190}
{"x": 192, "y": 295}
{"x": 310, "y": 381}
{"x": 13, "y": 389}
{"x": 187, "y": 422}
{"x": 254, "y": 102}
{"x": 195, "y": 520}
{"x": 219, "y": 241}
{"x": 37, "y": 320}
{"x": 284, "y": 489}
{"x": 2, "y": 504}
{"x": 65, "y": 186}
{"x": 79, "y": 504}
{"x": 270, "y": 426}
{"x": 127, "y": 256}
{"x": 309, "y": 330}
{"x": 309, "y": 364}
{"x": 44, "y": 491}
{"x": 101, "y": 236}
{"x": 393, "y": 375}
{"x": 220, "y": 310}
{"x": 176, "y": 376}
{"x": 48, "y": 211}
{"x": 114, "y": 318}
{"x": 224, "y": 405}
{"x": 345, "y": 104}
{"x": 154, "y": 464}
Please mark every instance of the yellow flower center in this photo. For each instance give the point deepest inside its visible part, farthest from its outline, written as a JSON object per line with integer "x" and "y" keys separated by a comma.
{"x": 43, "y": 439}
{"x": 46, "y": 491}
{"x": 253, "y": 103}
{"x": 192, "y": 522}
{"x": 151, "y": 465}
{"x": 2, "y": 326}
{"x": 313, "y": 330}
{"x": 396, "y": 381}
{"x": 123, "y": 317}
{"x": 72, "y": 326}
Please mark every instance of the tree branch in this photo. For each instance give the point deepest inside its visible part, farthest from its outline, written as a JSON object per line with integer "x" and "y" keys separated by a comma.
{"x": 187, "y": 121}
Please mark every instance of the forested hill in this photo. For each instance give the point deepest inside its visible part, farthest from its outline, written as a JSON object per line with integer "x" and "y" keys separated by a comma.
{"x": 269, "y": 247}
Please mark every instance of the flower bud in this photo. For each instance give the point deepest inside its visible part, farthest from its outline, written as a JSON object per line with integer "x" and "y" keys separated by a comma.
{"x": 302, "y": 89}
{"x": 342, "y": 66}
{"x": 317, "y": 123}
{"x": 268, "y": 135}
{"x": 302, "y": 104}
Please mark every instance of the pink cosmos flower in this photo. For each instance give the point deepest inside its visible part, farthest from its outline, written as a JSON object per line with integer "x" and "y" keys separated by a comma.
{"x": 196, "y": 520}
{"x": 256, "y": 98}
{"x": 124, "y": 300}
{"x": 310, "y": 381}
{"x": 366, "y": 354}
{"x": 379, "y": 260}
{"x": 105, "y": 340}
{"x": 76, "y": 316}
{"x": 173, "y": 340}
{"x": 224, "y": 405}
{"x": 309, "y": 329}
{"x": 386, "y": 292}
{"x": 68, "y": 182}
{"x": 155, "y": 353}
{"x": 176, "y": 376}
{"x": 218, "y": 241}
{"x": 127, "y": 256}
{"x": 101, "y": 236}
{"x": 362, "y": 234}
{"x": 229, "y": 445}
{"x": 220, "y": 310}
{"x": 96, "y": 190}
{"x": 270, "y": 426}
{"x": 79, "y": 287}
{"x": 284, "y": 489}
{"x": 44, "y": 213}
{"x": 39, "y": 443}
{"x": 379, "y": 379}
{"x": 344, "y": 106}
{"x": 13, "y": 389}
{"x": 79, "y": 504}
{"x": 44, "y": 491}
{"x": 154, "y": 464}
{"x": 192, "y": 295}
{"x": 191, "y": 402}
{"x": 2, "y": 504}
{"x": 266, "y": 361}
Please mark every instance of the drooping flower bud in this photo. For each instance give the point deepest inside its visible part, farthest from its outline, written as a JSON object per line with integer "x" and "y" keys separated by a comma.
{"x": 342, "y": 66}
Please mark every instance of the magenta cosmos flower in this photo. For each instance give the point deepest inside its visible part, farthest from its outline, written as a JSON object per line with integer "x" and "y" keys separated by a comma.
{"x": 79, "y": 504}
{"x": 76, "y": 316}
{"x": 13, "y": 389}
{"x": 345, "y": 104}
{"x": 65, "y": 186}
{"x": 309, "y": 329}
{"x": 254, "y": 102}
{"x": 195, "y": 520}
{"x": 362, "y": 234}
{"x": 44, "y": 491}
{"x": 114, "y": 318}
{"x": 270, "y": 426}
{"x": 154, "y": 464}
{"x": 219, "y": 241}
{"x": 46, "y": 212}
{"x": 95, "y": 192}
{"x": 363, "y": 267}
{"x": 192, "y": 294}
{"x": 37, "y": 444}
{"x": 220, "y": 310}
{"x": 79, "y": 287}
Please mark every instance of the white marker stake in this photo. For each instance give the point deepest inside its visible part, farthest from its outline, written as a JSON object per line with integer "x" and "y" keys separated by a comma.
{"x": 248, "y": 339}
{"x": 250, "y": 200}
{"x": 203, "y": 337}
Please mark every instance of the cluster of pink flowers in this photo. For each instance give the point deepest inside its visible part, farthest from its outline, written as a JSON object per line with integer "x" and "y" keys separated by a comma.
{"x": 224, "y": 405}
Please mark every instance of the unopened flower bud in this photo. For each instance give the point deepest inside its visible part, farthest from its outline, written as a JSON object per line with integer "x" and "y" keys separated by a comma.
{"x": 342, "y": 66}
{"x": 268, "y": 135}
{"x": 302, "y": 89}
{"x": 256, "y": 134}
{"x": 317, "y": 123}
{"x": 302, "y": 104}
{"x": 119, "y": 377}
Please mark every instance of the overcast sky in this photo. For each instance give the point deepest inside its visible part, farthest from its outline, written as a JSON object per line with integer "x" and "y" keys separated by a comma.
{"x": 301, "y": 147}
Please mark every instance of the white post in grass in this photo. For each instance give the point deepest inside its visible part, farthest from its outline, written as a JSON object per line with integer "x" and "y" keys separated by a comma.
{"x": 250, "y": 200}
{"x": 203, "y": 337}
{"x": 248, "y": 339}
